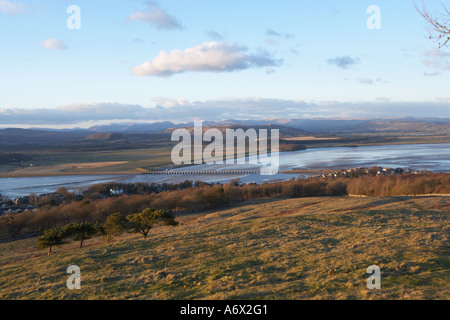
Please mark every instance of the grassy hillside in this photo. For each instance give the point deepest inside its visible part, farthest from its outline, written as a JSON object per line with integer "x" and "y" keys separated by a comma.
{"x": 304, "y": 248}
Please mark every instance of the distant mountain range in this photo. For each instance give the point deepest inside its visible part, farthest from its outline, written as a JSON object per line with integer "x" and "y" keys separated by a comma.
{"x": 311, "y": 125}
{"x": 139, "y": 134}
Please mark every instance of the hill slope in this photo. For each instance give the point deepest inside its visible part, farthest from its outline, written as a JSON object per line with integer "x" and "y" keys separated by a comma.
{"x": 306, "y": 248}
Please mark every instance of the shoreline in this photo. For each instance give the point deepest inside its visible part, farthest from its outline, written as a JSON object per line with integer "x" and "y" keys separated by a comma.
{"x": 42, "y": 175}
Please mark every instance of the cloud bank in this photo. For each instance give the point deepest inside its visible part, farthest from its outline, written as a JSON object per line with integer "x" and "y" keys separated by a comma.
{"x": 70, "y": 114}
{"x": 219, "y": 109}
{"x": 207, "y": 57}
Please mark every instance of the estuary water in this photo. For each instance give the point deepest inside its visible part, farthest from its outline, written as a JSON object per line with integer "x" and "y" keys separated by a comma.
{"x": 433, "y": 157}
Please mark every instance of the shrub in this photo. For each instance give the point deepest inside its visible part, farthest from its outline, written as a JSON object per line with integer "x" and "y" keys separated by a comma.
{"x": 144, "y": 221}
{"x": 50, "y": 238}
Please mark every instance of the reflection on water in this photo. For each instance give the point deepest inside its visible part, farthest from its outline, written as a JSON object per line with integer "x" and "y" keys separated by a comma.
{"x": 433, "y": 157}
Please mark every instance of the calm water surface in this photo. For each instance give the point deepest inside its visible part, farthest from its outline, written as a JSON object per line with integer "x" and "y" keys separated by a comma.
{"x": 433, "y": 157}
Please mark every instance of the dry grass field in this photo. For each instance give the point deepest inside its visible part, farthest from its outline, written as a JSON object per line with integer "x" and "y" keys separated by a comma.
{"x": 304, "y": 248}
{"x": 87, "y": 163}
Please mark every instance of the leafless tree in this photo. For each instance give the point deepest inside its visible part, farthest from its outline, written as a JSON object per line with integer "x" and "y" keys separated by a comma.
{"x": 439, "y": 25}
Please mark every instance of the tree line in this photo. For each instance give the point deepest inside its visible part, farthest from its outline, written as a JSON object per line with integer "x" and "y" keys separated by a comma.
{"x": 115, "y": 225}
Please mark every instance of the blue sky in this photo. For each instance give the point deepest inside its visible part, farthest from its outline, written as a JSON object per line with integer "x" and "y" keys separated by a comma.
{"x": 182, "y": 60}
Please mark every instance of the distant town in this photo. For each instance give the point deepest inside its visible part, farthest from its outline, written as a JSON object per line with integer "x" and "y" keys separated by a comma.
{"x": 364, "y": 171}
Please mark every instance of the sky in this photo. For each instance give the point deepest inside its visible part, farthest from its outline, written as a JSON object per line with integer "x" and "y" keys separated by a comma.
{"x": 80, "y": 63}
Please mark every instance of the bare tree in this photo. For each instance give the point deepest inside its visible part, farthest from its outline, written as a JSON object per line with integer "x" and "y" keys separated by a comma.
{"x": 439, "y": 25}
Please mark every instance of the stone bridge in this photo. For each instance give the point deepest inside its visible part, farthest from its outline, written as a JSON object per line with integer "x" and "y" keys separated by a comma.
{"x": 211, "y": 172}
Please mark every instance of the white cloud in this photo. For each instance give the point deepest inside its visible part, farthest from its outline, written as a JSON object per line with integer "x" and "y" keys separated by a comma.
{"x": 271, "y": 42}
{"x": 344, "y": 62}
{"x": 270, "y": 70}
{"x": 431, "y": 74}
{"x": 210, "y": 57}
{"x": 294, "y": 51}
{"x": 368, "y": 81}
{"x": 157, "y": 17}
{"x": 215, "y": 35}
{"x": 437, "y": 60}
{"x": 272, "y": 33}
{"x": 365, "y": 80}
{"x": 12, "y": 8}
{"x": 53, "y": 44}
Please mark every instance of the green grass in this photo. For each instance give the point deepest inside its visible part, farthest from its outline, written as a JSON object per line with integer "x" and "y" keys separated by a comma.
{"x": 265, "y": 249}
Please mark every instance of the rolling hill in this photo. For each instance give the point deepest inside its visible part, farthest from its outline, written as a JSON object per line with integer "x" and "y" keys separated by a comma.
{"x": 304, "y": 248}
